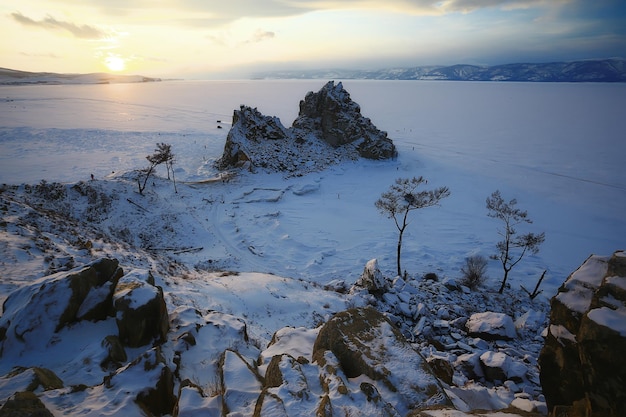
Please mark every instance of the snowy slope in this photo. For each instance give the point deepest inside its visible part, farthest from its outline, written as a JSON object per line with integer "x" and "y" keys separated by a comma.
{"x": 281, "y": 240}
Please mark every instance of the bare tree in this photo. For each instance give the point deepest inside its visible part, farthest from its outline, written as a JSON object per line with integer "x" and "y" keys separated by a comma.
{"x": 402, "y": 198}
{"x": 513, "y": 247}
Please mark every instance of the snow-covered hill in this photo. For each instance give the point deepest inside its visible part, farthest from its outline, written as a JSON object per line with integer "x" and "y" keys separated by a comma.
{"x": 15, "y": 77}
{"x": 607, "y": 70}
{"x": 49, "y": 228}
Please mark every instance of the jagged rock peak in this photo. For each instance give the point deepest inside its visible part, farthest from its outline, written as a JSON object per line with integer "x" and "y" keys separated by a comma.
{"x": 336, "y": 119}
{"x": 329, "y": 129}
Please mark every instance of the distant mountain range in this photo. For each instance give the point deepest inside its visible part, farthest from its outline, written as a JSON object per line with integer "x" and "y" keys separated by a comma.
{"x": 15, "y": 77}
{"x": 606, "y": 70}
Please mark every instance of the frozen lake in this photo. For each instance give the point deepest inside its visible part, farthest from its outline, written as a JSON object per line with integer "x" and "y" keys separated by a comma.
{"x": 558, "y": 148}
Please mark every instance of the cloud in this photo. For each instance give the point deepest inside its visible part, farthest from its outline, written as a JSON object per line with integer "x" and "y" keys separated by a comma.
{"x": 261, "y": 35}
{"x": 48, "y": 55}
{"x": 50, "y": 23}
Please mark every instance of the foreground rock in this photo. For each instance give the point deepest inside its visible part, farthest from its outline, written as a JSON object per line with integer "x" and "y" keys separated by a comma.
{"x": 583, "y": 367}
{"x": 137, "y": 358}
{"x": 33, "y": 314}
{"x": 141, "y": 312}
{"x": 328, "y": 129}
{"x": 366, "y": 343}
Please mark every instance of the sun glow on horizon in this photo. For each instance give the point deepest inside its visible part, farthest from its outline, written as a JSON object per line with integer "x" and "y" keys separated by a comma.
{"x": 115, "y": 63}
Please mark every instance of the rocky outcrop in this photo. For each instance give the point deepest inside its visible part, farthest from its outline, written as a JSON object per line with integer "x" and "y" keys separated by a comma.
{"x": 83, "y": 293}
{"x": 328, "y": 129}
{"x": 583, "y": 368}
{"x": 24, "y": 404}
{"x": 141, "y": 314}
{"x": 366, "y": 343}
{"x": 331, "y": 115}
{"x": 155, "y": 393}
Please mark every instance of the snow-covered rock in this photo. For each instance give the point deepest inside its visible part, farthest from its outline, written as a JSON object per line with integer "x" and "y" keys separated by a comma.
{"x": 33, "y": 314}
{"x": 491, "y": 326}
{"x": 331, "y": 115}
{"x": 240, "y": 382}
{"x": 366, "y": 343}
{"x": 25, "y": 403}
{"x": 328, "y": 129}
{"x": 583, "y": 363}
{"x": 141, "y": 314}
{"x": 372, "y": 279}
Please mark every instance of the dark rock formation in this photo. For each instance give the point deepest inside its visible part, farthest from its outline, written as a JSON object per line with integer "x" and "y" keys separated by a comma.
{"x": 156, "y": 394}
{"x": 116, "y": 355}
{"x": 328, "y": 129}
{"x": 583, "y": 367}
{"x": 31, "y": 379}
{"x": 141, "y": 311}
{"x": 331, "y": 115}
{"x": 80, "y": 294}
{"x": 24, "y": 404}
{"x": 365, "y": 342}
{"x": 249, "y": 131}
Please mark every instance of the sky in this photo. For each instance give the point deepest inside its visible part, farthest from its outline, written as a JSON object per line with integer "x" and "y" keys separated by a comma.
{"x": 236, "y": 38}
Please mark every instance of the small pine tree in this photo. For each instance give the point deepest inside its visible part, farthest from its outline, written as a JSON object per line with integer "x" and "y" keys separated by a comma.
{"x": 162, "y": 154}
{"x": 402, "y": 198}
{"x": 513, "y": 247}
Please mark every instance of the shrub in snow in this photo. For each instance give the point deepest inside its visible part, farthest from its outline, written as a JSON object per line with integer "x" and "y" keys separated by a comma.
{"x": 473, "y": 272}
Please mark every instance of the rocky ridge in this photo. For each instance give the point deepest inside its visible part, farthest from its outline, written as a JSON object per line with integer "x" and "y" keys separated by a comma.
{"x": 329, "y": 129}
{"x": 388, "y": 355}
{"x": 592, "y": 70}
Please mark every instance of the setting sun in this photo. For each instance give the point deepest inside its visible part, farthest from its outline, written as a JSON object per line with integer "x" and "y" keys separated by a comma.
{"x": 115, "y": 63}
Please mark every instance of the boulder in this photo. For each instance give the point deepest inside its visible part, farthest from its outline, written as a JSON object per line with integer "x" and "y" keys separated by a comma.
{"x": 24, "y": 404}
{"x": 148, "y": 379}
{"x": 34, "y": 313}
{"x": 116, "y": 355}
{"x": 491, "y": 326}
{"x": 372, "y": 279}
{"x": 285, "y": 375}
{"x": 366, "y": 343}
{"x": 582, "y": 362}
{"x": 141, "y": 313}
{"x": 28, "y": 379}
{"x": 495, "y": 366}
{"x": 328, "y": 129}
